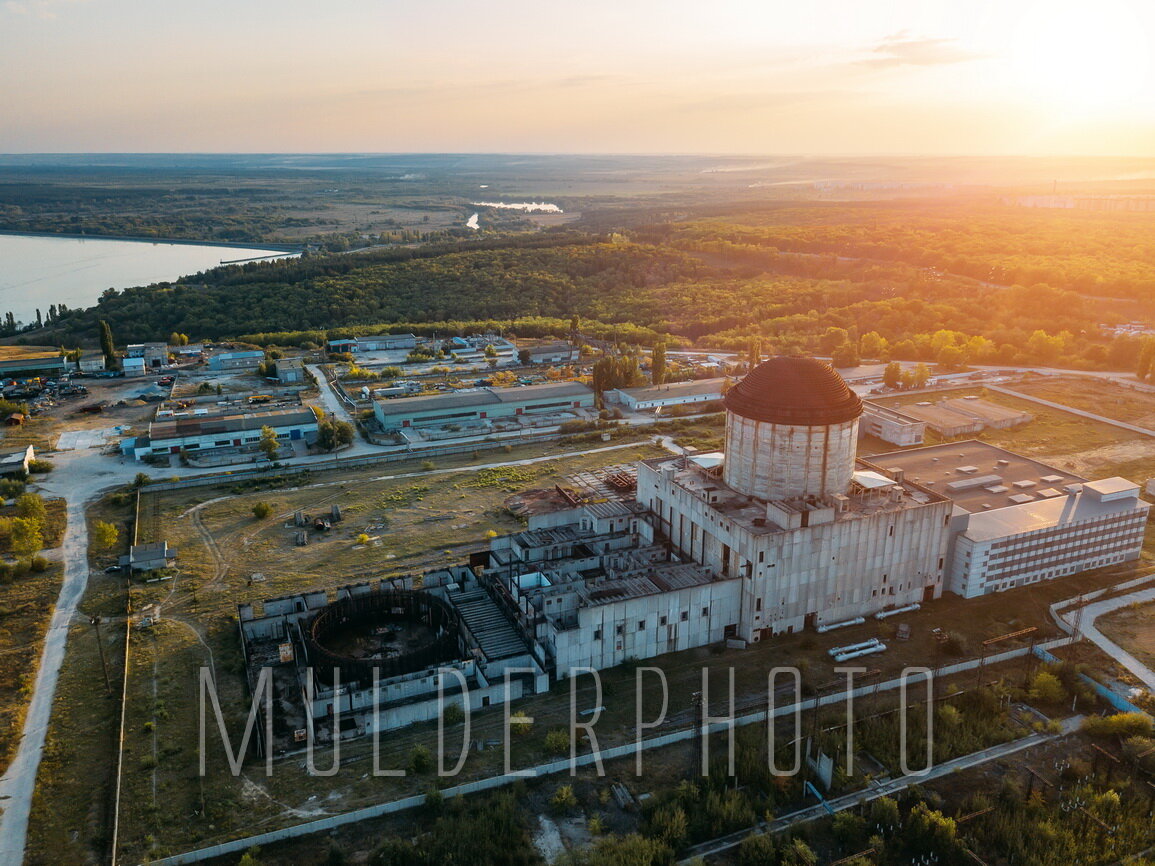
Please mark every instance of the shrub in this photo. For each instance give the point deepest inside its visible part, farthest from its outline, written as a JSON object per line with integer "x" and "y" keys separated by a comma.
{"x": 1120, "y": 725}
{"x": 453, "y": 714}
{"x": 1047, "y": 689}
{"x": 10, "y": 488}
{"x": 362, "y": 538}
{"x": 563, "y": 798}
{"x": 40, "y": 467}
{"x": 420, "y": 760}
{"x": 38, "y": 564}
{"x": 557, "y": 742}
{"x": 262, "y": 510}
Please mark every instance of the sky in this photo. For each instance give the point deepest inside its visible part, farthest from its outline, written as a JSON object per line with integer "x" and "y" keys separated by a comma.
{"x": 598, "y": 76}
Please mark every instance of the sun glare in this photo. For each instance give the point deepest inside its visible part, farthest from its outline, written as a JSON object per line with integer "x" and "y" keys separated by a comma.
{"x": 1087, "y": 59}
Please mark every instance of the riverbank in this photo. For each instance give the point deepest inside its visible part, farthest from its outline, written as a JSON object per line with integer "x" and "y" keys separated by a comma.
{"x": 247, "y": 245}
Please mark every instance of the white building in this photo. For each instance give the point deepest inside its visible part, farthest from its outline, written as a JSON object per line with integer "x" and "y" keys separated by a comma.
{"x": 891, "y": 426}
{"x": 670, "y": 394}
{"x": 204, "y": 433}
{"x": 1017, "y": 521}
{"x": 133, "y": 366}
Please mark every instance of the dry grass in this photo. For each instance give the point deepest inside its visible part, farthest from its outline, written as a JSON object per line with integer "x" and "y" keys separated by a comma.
{"x": 1133, "y": 628}
{"x": 26, "y": 605}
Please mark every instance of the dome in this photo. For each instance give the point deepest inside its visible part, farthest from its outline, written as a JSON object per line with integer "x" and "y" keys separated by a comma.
{"x": 794, "y": 390}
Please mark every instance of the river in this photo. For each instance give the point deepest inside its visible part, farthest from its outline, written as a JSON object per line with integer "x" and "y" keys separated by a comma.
{"x": 39, "y": 270}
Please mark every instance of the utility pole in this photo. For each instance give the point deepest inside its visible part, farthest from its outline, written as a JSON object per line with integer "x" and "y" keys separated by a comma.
{"x": 103, "y": 662}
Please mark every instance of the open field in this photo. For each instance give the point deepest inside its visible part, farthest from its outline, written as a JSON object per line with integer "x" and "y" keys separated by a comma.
{"x": 1133, "y": 628}
{"x": 26, "y": 604}
{"x": 1095, "y": 395}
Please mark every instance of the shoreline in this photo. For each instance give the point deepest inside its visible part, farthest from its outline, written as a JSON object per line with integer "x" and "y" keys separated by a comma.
{"x": 270, "y": 247}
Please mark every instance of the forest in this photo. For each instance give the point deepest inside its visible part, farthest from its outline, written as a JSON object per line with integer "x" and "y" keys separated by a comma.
{"x": 876, "y": 281}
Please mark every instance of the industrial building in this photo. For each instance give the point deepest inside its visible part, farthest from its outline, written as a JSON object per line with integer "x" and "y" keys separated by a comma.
{"x": 91, "y": 362}
{"x": 786, "y": 529}
{"x": 1018, "y": 521}
{"x": 382, "y": 342}
{"x": 670, "y": 394}
{"x": 553, "y": 353}
{"x": 203, "y": 433}
{"x": 481, "y": 404}
{"x": 35, "y": 365}
{"x": 247, "y": 360}
{"x": 155, "y": 355}
{"x": 965, "y": 416}
{"x": 889, "y": 425}
{"x": 290, "y": 371}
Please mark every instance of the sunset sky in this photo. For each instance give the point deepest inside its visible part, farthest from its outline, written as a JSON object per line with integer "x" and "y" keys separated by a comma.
{"x": 738, "y": 76}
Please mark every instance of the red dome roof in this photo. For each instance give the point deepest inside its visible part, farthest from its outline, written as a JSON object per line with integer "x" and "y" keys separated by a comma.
{"x": 794, "y": 390}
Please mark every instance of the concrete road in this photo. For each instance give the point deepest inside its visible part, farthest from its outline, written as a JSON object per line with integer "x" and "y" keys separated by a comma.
{"x": 1099, "y": 608}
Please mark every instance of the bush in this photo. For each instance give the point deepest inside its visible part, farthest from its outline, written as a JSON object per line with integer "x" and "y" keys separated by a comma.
{"x": 453, "y": 714}
{"x": 10, "y": 488}
{"x": 563, "y": 798}
{"x": 38, "y": 564}
{"x": 262, "y": 510}
{"x": 1120, "y": 725}
{"x": 420, "y": 760}
{"x": 557, "y": 742}
{"x": 1046, "y": 688}
{"x": 40, "y": 467}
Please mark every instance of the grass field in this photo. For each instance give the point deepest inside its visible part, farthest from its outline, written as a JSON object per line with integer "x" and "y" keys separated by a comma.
{"x": 1133, "y": 628}
{"x": 25, "y": 610}
{"x": 1095, "y": 395}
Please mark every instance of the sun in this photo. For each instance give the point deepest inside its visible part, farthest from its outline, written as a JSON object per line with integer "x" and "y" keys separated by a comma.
{"x": 1086, "y": 59}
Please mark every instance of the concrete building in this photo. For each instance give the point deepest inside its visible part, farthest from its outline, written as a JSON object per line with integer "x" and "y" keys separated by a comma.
{"x": 670, "y": 394}
{"x": 553, "y": 353}
{"x": 15, "y": 461}
{"x": 897, "y": 428}
{"x": 154, "y": 354}
{"x": 381, "y": 342}
{"x": 226, "y": 361}
{"x": 290, "y": 370}
{"x": 482, "y": 404}
{"x": 91, "y": 362}
{"x": 1017, "y": 521}
{"x": 596, "y": 589}
{"x": 205, "y": 433}
{"x": 133, "y": 366}
{"x": 964, "y": 416}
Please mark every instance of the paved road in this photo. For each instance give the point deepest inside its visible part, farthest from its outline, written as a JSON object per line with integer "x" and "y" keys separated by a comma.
{"x": 1099, "y": 608}
{"x": 884, "y": 789}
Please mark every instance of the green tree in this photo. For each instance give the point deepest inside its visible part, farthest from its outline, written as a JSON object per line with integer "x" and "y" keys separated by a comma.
{"x": 31, "y": 506}
{"x": 333, "y": 433}
{"x": 892, "y": 375}
{"x": 950, "y": 357}
{"x": 1047, "y": 689}
{"x": 269, "y": 444}
{"x": 107, "y": 346}
{"x": 845, "y": 355}
{"x": 658, "y": 364}
{"x": 104, "y": 534}
{"x": 920, "y": 376}
{"x": 25, "y": 536}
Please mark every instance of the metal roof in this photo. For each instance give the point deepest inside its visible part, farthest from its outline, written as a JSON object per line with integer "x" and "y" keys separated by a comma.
{"x": 794, "y": 390}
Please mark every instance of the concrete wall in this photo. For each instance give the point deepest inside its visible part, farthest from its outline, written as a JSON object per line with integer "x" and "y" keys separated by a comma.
{"x": 782, "y": 461}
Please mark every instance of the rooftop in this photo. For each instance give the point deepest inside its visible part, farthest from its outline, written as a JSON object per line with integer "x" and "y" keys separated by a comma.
{"x": 695, "y": 388}
{"x": 867, "y": 496}
{"x": 794, "y": 390}
{"x": 483, "y": 397}
{"x": 976, "y": 476}
{"x": 1046, "y": 513}
{"x": 200, "y": 425}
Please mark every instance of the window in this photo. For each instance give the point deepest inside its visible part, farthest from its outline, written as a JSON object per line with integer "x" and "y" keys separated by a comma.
{"x": 685, "y": 615}
{"x": 662, "y": 621}
{"x": 706, "y": 611}
{"x": 757, "y": 604}
{"x": 597, "y": 634}
{"x": 621, "y": 628}
{"x": 641, "y": 625}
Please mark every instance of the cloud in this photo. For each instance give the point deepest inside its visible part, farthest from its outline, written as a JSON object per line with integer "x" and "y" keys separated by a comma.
{"x": 904, "y": 49}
